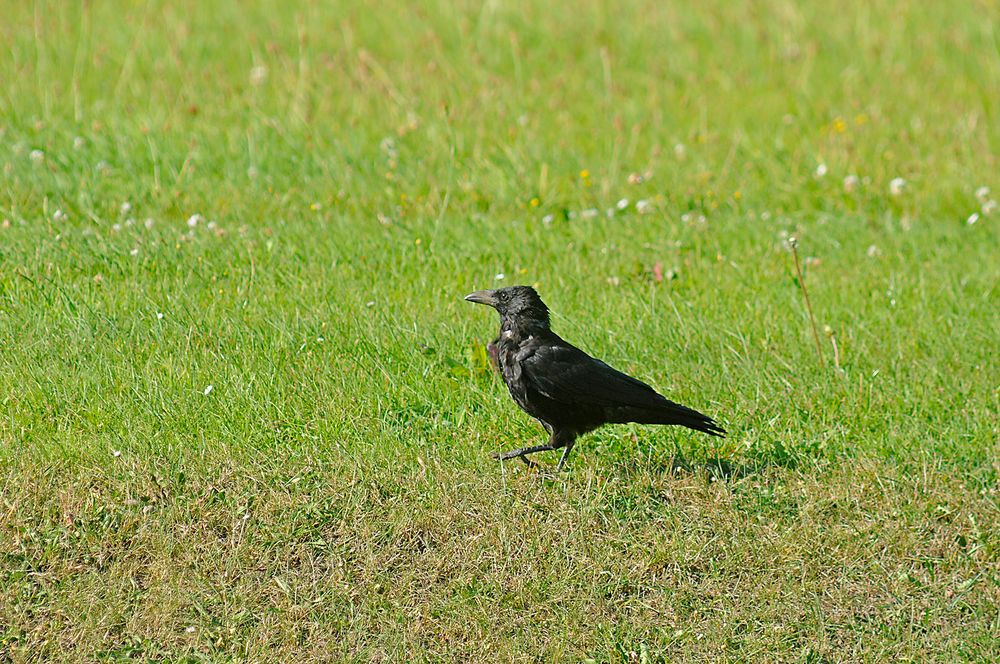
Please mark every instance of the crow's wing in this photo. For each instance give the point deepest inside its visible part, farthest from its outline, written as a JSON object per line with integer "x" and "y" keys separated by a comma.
{"x": 566, "y": 374}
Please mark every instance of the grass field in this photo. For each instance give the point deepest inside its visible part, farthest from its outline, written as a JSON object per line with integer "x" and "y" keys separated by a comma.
{"x": 245, "y": 414}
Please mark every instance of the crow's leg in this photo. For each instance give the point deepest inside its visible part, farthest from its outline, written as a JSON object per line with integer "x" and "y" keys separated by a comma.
{"x": 565, "y": 454}
{"x": 565, "y": 439}
{"x": 558, "y": 439}
{"x": 522, "y": 452}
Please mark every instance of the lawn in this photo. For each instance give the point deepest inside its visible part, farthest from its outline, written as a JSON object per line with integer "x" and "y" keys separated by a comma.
{"x": 246, "y": 415}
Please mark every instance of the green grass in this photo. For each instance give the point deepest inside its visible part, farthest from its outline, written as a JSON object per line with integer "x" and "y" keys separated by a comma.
{"x": 364, "y": 165}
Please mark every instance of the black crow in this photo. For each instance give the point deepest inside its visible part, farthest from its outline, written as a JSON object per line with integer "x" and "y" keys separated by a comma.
{"x": 562, "y": 387}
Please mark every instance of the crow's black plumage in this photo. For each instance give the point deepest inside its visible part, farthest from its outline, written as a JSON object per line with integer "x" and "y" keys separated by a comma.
{"x": 565, "y": 389}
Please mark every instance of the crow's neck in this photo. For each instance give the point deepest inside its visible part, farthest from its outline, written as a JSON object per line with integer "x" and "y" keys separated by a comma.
{"x": 517, "y": 328}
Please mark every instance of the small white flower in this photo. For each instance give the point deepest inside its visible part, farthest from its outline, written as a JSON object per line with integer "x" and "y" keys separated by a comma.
{"x": 388, "y": 146}
{"x": 500, "y": 276}
{"x": 873, "y": 251}
{"x": 686, "y": 217}
{"x": 116, "y": 227}
{"x": 370, "y": 303}
{"x": 258, "y": 75}
{"x": 36, "y": 156}
{"x": 821, "y": 170}
{"x": 851, "y": 183}
{"x": 134, "y": 252}
{"x": 989, "y": 207}
{"x": 116, "y": 453}
{"x": 194, "y": 219}
{"x": 622, "y": 204}
{"x": 130, "y": 222}
{"x": 680, "y": 150}
{"x": 896, "y": 186}
{"x": 78, "y": 143}
{"x": 159, "y": 315}
{"x": 983, "y": 194}
{"x": 208, "y": 390}
{"x": 212, "y": 225}
{"x": 189, "y": 629}
{"x": 126, "y": 208}
{"x": 548, "y": 219}
{"x": 589, "y": 213}
{"x": 973, "y": 218}
{"x": 320, "y": 339}
{"x": 149, "y": 222}
{"x": 643, "y": 206}
{"x": 59, "y": 215}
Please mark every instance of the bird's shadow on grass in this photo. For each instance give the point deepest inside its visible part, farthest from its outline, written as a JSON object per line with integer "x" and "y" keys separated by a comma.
{"x": 729, "y": 470}
{"x": 712, "y": 467}
{"x": 623, "y": 461}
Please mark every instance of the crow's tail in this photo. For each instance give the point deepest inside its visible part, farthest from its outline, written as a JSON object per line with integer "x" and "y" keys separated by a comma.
{"x": 674, "y": 413}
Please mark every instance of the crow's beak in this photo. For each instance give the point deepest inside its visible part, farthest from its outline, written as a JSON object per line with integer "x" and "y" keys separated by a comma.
{"x": 482, "y": 297}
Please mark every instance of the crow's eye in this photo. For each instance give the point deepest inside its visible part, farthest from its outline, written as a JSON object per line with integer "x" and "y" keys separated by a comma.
{"x": 502, "y": 296}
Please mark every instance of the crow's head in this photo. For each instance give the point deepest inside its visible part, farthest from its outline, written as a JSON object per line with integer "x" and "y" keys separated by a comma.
{"x": 519, "y": 304}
